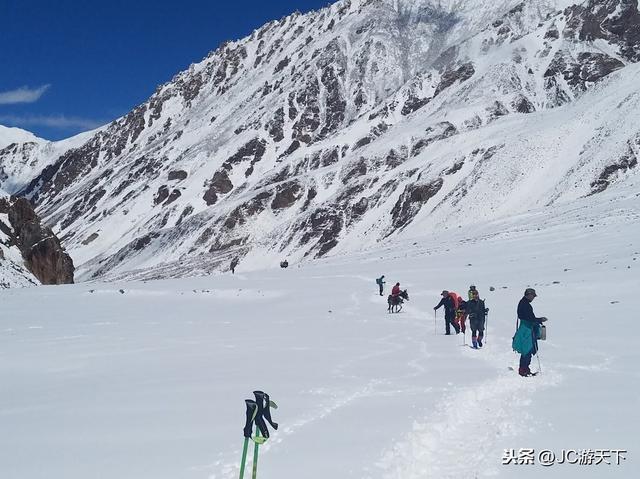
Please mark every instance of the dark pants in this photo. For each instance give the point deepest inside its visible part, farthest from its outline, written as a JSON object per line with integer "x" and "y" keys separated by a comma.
{"x": 381, "y": 288}
{"x": 477, "y": 327}
{"x": 450, "y": 320}
{"x": 525, "y": 360}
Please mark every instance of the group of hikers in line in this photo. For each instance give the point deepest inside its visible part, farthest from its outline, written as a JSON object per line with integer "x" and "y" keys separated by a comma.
{"x": 529, "y": 328}
{"x": 457, "y": 310}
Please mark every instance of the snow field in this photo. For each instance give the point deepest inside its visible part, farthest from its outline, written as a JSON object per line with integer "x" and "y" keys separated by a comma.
{"x": 150, "y": 382}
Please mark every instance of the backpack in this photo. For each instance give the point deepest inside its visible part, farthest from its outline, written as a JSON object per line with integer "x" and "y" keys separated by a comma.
{"x": 455, "y": 298}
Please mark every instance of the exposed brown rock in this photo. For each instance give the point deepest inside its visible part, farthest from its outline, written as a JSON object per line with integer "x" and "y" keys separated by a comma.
{"x": 286, "y": 195}
{"x": 161, "y": 195}
{"x": 40, "y": 248}
{"x": 324, "y": 224}
{"x": 412, "y": 200}
{"x": 178, "y": 175}
{"x": 523, "y": 105}
{"x": 626, "y": 162}
{"x": 219, "y": 184}
{"x": 92, "y": 237}
{"x": 449, "y": 77}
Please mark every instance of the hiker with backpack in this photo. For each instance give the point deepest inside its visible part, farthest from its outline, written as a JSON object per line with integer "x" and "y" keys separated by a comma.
{"x": 380, "y": 282}
{"x": 477, "y": 312}
{"x": 449, "y": 312}
{"x": 525, "y": 341}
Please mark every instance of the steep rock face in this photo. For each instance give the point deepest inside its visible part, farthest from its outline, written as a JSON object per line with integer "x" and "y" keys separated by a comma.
{"x": 412, "y": 200}
{"x": 616, "y": 21}
{"x": 40, "y": 248}
{"x": 348, "y": 125}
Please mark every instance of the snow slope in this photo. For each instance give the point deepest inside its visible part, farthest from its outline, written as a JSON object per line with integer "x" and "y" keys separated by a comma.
{"x": 23, "y": 156}
{"x": 147, "y": 379}
{"x": 15, "y": 135}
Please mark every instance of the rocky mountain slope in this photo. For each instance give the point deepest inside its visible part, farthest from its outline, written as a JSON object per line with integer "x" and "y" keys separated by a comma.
{"x": 341, "y": 128}
{"x": 30, "y": 253}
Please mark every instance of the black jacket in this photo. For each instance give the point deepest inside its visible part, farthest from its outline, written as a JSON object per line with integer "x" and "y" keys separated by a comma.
{"x": 449, "y": 307}
{"x": 525, "y": 311}
{"x": 476, "y": 309}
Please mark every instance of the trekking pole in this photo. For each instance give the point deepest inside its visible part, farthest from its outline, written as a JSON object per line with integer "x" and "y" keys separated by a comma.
{"x": 254, "y": 473}
{"x": 486, "y": 327}
{"x": 539, "y": 366}
{"x": 244, "y": 456}
{"x": 434, "y": 322}
{"x": 252, "y": 410}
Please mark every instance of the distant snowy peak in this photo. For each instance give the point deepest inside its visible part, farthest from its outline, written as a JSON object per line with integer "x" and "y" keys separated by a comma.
{"x": 16, "y": 135}
{"x": 26, "y": 156}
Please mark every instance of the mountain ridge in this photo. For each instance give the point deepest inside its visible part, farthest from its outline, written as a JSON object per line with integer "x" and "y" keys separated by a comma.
{"x": 334, "y": 129}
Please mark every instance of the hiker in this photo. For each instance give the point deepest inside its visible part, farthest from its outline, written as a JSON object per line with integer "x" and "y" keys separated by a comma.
{"x": 380, "y": 283}
{"x": 525, "y": 341}
{"x": 477, "y": 312}
{"x": 234, "y": 263}
{"x": 472, "y": 289}
{"x": 461, "y": 315}
{"x": 449, "y": 312}
{"x": 395, "y": 291}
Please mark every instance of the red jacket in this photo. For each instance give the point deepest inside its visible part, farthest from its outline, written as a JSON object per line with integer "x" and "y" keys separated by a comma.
{"x": 395, "y": 291}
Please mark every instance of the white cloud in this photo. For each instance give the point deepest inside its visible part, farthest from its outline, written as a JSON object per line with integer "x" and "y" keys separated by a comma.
{"x": 22, "y": 95}
{"x": 51, "y": 121}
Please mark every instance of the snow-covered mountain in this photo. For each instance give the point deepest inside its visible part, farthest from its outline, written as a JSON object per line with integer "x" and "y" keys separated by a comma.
{"x": 15, "y": 135}
{"x": 344, "y": 127}
{"x": 23, "y": 155}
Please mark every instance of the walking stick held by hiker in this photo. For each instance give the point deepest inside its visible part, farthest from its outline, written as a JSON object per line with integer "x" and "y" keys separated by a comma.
{"x": 539, "y": 365}
{"x": 434, "y": 322}
{"x": 486, "y": 326}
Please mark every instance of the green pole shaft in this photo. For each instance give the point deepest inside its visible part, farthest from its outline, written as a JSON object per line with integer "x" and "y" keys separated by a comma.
{"x": 254, "y": 474}
{"x": 244, "y": 456}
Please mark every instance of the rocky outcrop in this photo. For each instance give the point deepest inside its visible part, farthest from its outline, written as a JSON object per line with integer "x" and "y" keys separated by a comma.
{"x": 286, "y": 195}
{"x": 412, "y": 200}
{"x": 626, "y": 162}
{"x": 41, "y": 249}
{"x": 615, "y": 21}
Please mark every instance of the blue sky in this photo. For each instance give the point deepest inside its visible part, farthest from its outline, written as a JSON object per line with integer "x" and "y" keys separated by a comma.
{"x": 71, "y": 65}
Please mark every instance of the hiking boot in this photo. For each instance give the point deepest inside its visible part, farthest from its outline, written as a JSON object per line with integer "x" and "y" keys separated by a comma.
{"x": 474, "y": 342}
{"x": 479, "y": 342}
{"x": 524, "y": 372}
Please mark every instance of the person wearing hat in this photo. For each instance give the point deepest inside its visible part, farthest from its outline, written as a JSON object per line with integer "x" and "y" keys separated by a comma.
{"x": 525, "y": 340}
{"x": 472, "y": 290}
{"x": 449, "y": 312}
{"x": 477, "y": 314}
